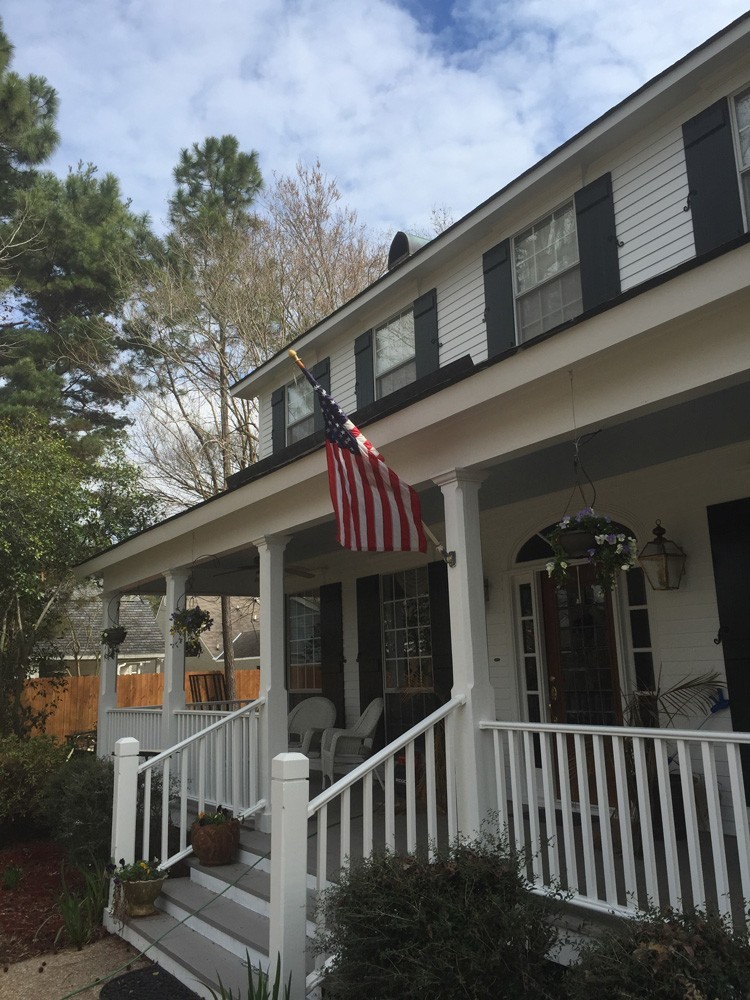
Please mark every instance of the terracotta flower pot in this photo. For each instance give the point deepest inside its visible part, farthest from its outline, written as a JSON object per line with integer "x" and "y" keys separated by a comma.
{"x": 216, "y": 843}
{"x": 140, "y": 896}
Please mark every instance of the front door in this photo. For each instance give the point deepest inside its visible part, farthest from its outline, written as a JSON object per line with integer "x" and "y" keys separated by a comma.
{"x": 582, "y": 670}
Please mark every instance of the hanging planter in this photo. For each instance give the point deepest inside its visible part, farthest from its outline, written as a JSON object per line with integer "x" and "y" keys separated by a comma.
{"x": 591, "y": 536}
{"x": 113, "y": 638}
{"x": 187, "y": 627}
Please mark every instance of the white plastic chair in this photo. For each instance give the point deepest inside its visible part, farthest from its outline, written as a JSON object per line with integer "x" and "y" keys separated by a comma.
{"x": 346, "y": 748}
{"x": 306, "y": 722}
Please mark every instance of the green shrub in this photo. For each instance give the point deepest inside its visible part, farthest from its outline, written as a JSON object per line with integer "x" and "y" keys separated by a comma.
{"x": 666, "y": 956}
{"x": 463, "y": 926}
{"x": 78, "y": 807}
{"x": 25, "y": 768}
{"x": 82, "y": 909}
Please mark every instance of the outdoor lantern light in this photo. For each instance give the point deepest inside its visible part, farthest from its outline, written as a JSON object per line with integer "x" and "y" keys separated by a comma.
{"x": 663, "y": 561}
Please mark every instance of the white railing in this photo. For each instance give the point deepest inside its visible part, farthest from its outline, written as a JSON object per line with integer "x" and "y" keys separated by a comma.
{"x": 143, "y": 724}
{"x": 623, "y": 818}
{"x": 217, "y": 706}
{"x": 427, "y": 742}
{"x": 219, "y": 765}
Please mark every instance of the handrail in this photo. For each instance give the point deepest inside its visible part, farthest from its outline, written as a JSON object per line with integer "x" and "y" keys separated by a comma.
{"x": 225, "y": 720}
{"x": 589, "y": 730}
{"x": 382, "y": 756}
{"x": 137, "y": 708}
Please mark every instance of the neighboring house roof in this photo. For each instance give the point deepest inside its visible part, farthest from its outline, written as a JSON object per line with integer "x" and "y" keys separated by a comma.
{"x": 246, "y": 644}
{"x": 82, "y": 627}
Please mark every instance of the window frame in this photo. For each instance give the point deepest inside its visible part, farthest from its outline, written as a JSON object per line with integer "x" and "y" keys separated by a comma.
{"x": 316, "y": 666}
{"x": 743, "y": 171}
{"x": 519, "y": 296}
{"x": 289, "y": 425}
{"x": 379, "y": 376}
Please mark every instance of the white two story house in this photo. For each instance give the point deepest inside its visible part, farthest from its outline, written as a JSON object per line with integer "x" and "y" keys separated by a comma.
{"x": 582, "y": 337}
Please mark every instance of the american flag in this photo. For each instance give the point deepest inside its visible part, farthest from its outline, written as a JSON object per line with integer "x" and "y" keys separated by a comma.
{"x": 376, "y": 511}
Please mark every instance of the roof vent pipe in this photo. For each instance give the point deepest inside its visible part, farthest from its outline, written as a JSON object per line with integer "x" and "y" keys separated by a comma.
{"x": 403, "y": 246}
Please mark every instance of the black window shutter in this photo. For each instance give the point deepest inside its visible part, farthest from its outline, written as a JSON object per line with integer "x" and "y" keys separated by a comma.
{"x": 712, "y": 177}
{"x": 597, "y": 242}
{"x": 440, "y": 630}
{"x": 369, "y": 637}
{"x": 363, "y": 361}
{"x": 426, "y": 345}
{"x": 278, "y": 420}
{"x": 322, "y": 374}
{"x": 499, "y": 306}
{"x": 332, "y": 648}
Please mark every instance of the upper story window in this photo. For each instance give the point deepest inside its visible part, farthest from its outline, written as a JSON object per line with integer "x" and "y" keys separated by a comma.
{"x": 395, "y": 361}
{"x": 300, "y": 418}
{"x": 547, "y": 273}
{"x": 742, "y": 122}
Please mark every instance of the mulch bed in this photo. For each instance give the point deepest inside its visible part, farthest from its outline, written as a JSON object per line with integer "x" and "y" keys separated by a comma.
{"x": 29, "y": 921}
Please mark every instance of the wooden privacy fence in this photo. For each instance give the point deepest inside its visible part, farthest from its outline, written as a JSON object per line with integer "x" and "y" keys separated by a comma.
{"x": 76, "y": 699}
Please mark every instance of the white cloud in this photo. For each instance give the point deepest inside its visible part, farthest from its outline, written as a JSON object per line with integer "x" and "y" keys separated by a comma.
{"x": 409, "y": 105}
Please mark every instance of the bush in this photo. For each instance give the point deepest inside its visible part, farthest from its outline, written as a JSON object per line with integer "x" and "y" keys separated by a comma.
{"x": 667, "y": 956}
{"x": 25, "y": 767}
{"x": 462, "y": 926}
{"x": 78, "y": 807}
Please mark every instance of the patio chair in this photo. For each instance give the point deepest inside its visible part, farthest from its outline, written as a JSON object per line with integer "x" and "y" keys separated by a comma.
{"x": 346, "y": 748}
{"x": 306, "y": 723}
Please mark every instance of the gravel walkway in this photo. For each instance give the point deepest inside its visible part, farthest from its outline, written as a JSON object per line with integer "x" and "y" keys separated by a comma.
{"x": 55, "y": 976}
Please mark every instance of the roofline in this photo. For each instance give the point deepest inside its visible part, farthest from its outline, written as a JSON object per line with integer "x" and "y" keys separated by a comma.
{"x": 503, "y": 194}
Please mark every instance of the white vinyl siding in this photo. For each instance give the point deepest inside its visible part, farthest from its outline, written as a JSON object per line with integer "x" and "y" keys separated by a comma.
{"x": 650, "y": 190}
{"x": 265, "y": 427}
{"x": 461, "y": 313}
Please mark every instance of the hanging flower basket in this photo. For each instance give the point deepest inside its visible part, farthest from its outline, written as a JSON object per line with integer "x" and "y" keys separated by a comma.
{"x": 113, "y": 638}
{"x": 588, "y": 535}
{"x": 187, "y": 627}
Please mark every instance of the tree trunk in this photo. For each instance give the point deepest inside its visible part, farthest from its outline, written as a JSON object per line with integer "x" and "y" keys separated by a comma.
{"x": 227, "y": 632}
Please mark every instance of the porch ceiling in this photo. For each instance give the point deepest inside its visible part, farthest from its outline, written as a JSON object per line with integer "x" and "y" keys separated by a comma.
{"x": 690, "y": 427}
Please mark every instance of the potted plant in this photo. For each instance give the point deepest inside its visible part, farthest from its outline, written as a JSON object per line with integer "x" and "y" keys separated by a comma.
{"x": 136, "y": 887}
{"x": 113, "y": 638}
{"x": 592, "y": 536}
{"x": 215, "y": 837}
{"x": 187, "y": 626}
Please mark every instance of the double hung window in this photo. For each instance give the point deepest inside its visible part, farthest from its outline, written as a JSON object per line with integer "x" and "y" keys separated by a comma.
{"x": 547, "y": 274}
{"x": 300, "y": 419}
{"x": 395, "y": 361}
{"x": 303, "y": 643}
{"x": 742, "y": 125}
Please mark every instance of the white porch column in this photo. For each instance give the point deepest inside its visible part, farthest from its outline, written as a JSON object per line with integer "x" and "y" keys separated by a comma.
{"x": 471, "y": 675}
{"x": 173, "y": 696}
{"x": 273, "y": 726}
{"x": 107, "y": 676}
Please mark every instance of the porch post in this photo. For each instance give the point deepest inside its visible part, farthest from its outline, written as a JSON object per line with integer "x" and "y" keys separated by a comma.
{"x": 471, "y": 674}
{"x": 173, "y": 695}
{"x": 288, "y": 916}
{"x": 107, "y": 676}
{"x": 273, "y": 725}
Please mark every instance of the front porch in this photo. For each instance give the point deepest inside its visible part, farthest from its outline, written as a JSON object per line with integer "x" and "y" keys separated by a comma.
{"x": 598, "y": 820}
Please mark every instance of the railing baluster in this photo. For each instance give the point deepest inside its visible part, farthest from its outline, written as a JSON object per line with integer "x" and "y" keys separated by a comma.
{"x": 202, "y": 775}
{"x": 713, "y": 803}
{"x": 367, "y": 840}
{"x": 515, "y": 793}
{"x": 626, "y": 827}
{"x": 550, "y": 820}
{"x": 691, "y": 825}
{"x": 563, "y": 775}
{"x": 667, "y": 822}
{"x": 183, "y": 801}
{"x": 450, "y": 777}
{"x": 640, "y": 765}
{"x": 411, "y": 799}
{"x": 321, "y": 874}
{"x": 390, "y": 804}
{"x": 739, "y": 813}
{"x": 146, "y": 816}
{"x": 605, "y": 822}
{"x": 500, "y": 782}
{"x": 535, "y": 859}
{"x": 584, "y": 805}
{"x": 345, "y": 849}
{"x": 235, "y": 762}
{"x": 165, "y": 811}
{"x": 431, "y": 788}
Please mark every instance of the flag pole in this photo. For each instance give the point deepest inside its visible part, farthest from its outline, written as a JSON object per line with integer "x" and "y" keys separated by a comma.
{"x": 448, "y": 557}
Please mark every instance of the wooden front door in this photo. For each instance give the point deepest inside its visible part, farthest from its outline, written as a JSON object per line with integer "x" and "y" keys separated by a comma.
{"x": 582, "y": 670}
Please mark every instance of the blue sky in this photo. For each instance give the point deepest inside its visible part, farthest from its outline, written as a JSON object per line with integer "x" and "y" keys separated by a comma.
{"x": 410, "y": 105}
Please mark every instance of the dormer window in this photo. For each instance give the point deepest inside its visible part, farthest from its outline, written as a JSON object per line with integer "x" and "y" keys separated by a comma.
{"x": 300, "y": 418}
{"x": 547, "y": 273}
{"x": 395, "y": 362}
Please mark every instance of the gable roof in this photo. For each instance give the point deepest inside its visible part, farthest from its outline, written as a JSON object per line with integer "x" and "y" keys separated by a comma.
{"x": 82, "y": 627}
